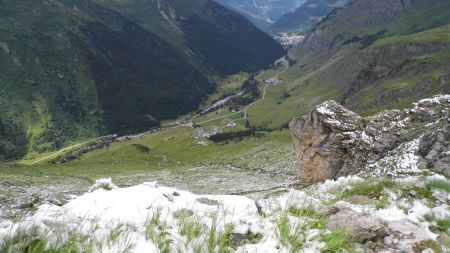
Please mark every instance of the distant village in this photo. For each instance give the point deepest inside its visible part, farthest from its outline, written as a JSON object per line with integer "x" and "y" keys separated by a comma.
{"x": 289, "y": 40}
{"x": 273, "y": 82}
{"x": 201, "y": 133}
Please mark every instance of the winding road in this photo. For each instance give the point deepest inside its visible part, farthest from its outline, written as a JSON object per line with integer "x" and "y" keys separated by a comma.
{"x": 68, "y": 148}
{"x": 253, "y": 103}
{"x": 264, "y": 92}
{"x": 170, "y": 125}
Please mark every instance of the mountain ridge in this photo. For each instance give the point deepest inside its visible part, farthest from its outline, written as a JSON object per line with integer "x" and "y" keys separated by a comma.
{"x": 307, "y": 16}
{"x": 366, "y": 60}
{"x": 81, "y": 69}
{"x": 262, "y": 13}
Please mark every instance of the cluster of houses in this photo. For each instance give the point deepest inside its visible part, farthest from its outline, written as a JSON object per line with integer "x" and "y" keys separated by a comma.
{"x": 290, "y": 40}
{"x": 200, "y": 133}
{"x": 231, "y": 124}
{"x": 273, "y": 82}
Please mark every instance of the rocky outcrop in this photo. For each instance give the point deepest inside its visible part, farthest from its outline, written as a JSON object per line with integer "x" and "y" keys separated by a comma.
{"x": 332, "y": 141}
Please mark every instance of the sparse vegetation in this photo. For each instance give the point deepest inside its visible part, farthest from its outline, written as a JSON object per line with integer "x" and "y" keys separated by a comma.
{"x": 336, "y": 241}
{"x": 371, "y": 190}
{"x": 439, "y": 185}
{"x": 33, "y": 242}
{"x": 314, "y": 218}
{"x": 382, "y": 202}
{"x": 290, "y": 234}
{"x": 438, "y": 224}
{"x": 428, "y": 244}
{"x": 219, "y": 241}
{"x": 190, "y": 226}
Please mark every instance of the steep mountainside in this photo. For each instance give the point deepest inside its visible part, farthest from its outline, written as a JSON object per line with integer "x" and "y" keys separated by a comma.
{"x": 369, "y": 56}
{"x": 304, "y": 18}
{"x": 76, "y": 69}
{"x": 263, "y": 13}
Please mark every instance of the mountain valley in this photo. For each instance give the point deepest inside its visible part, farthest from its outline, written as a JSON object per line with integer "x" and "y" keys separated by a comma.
{"x": 72, "y": 70}
{"x": 180, "y": 126}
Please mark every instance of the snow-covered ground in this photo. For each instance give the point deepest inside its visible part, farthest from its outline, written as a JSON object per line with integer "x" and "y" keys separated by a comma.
{"x": 153, "y": 218}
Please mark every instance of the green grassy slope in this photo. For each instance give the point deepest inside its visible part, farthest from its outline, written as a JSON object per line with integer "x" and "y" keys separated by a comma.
{"x": 71, "y": 70}
{"x": 172, "y": 158}
{"x": 206, "y": 33}
{"x": 305, "y": 17}
{"x": 263, "y": 13}
{"x": 402, "y": 56}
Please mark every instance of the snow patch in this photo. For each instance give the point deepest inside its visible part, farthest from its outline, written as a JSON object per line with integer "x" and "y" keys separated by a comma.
{"x": 401, "y": 161}
{"x": 103, "y": 183}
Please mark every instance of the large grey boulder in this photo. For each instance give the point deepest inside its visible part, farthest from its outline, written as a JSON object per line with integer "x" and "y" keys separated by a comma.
{"x": 376, "y": 233}
{"x": 361, "y": 228}
{"x": 332, "y": 141}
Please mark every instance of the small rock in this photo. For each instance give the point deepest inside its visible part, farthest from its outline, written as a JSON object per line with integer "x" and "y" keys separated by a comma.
{"x": 152, "y": 184}
{"x": 388, "y": 240}
{"x": 184, "y": 211}
{"x": 312, "y": 234}
{"x": 4, "y": 46}
{"x": 168, "y": 196}
{"x": 57, "y": 200}
{"x": 370, "y": 246}
{"x": 27, "y": 202}
{"x": 359, "y": 248}
{"x": 238, "y": 239}
{"x": 362, "y": 228}
{"x": 206, "y": 201}
{"x": 360, "y": 200}
{"x": 331, "y": 210}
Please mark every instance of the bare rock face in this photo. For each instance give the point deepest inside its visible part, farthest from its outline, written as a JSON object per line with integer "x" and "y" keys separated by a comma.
{"x": 332, "y": 141}
{"x": 318, "y": 138}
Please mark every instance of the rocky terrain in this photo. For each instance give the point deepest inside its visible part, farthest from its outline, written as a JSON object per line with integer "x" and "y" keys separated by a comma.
{"x": 350, "y": 214}
{"x": 332, "y": 141}
{"x": 396, "y": 202}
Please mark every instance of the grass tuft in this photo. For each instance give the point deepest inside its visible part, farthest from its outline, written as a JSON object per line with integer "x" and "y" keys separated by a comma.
{"x": 439, "y": 184}
{"x": 383, "y": 202}
{"x": 158, "y": 233}
{"x": 336, "y": 241}
{"x": 190, "y": 227}
{"x": 372, "y": 190}
{"x": 314, "y": 218}
{"x": 35, "y": 243}
{"x": 290, "y": 235}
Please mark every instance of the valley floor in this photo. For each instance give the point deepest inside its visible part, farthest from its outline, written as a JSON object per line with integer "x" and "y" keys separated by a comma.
{"x": 265, "y": 210}
{"x": 250, "y": 166}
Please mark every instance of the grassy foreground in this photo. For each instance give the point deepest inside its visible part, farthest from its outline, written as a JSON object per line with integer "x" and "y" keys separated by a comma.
{"x": 233, "y": 224}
